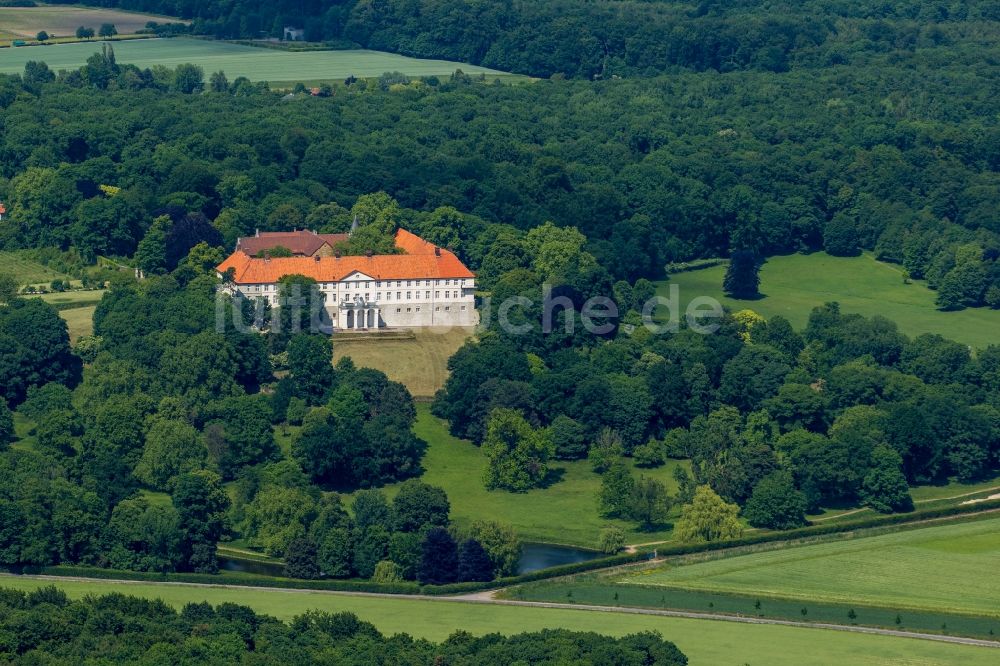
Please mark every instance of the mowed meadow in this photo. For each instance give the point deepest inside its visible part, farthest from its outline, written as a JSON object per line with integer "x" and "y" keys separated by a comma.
{"x": 703, "y": 641}
{"x": 792, "y": 285}
{"x": 949, "y": 567}
{"x": 417, "y": 358}
{"x": 257, "y": 64}
{"x": 564, "y": 511}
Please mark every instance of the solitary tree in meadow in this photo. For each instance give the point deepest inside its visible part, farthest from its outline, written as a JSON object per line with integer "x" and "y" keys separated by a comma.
{"x": 516, "y": 453}
{"x": 708, "y": 518}
{"x": 742, "y": 278}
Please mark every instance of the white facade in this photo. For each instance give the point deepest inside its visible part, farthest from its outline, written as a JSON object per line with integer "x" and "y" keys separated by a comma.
{"x": 361, "y": 302}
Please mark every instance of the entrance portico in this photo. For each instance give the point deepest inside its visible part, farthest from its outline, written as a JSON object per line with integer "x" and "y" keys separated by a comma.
{"x": 360, "y": 314}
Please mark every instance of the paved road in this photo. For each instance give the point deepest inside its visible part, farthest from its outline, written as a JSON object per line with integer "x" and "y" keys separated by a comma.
{"x": 489, "y": 598}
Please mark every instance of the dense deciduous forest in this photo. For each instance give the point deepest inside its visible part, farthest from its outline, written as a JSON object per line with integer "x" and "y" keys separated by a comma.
{"x": 154, "y": 439}
{"x": 588, "y": 40}
{"x": 848, "y": 411}
{"x": 46, "y": 626}
{"x": 899, "y": 157}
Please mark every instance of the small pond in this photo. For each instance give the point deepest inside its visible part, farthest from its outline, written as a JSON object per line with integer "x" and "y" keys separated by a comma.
{"x": 252, "y": 567}
{"x": 535, "y": 556}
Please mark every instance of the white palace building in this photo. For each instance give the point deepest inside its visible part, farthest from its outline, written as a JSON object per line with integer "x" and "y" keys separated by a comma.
{"x": 424, "y": 286}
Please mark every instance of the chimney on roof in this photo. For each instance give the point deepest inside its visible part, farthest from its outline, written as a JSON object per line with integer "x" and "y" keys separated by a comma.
{"x": 336, "y": 254}
{"x": 317, "y": 258}
{"x": 437, "y": 251}
{"x": 267, "y": 256}
{"x": 256, "y": 232}
{"x": 369, "y": 253}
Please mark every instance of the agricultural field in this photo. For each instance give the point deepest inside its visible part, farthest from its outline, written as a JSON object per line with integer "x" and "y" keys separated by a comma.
{"x": 563, "y": 512}
{"x": 703, "y": 641}
{"x": 418, "y": 360}
{"x": 257, "y": 64}
{"x": 24, "y": 270}
{"x": 63, "y": 21}
{"x": 793, "y": 285}
{"x": 947, "y": 568}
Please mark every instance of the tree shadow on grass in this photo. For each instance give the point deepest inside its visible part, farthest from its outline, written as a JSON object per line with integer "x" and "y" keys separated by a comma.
{"x": 655, "y": 527}
{"x": 552, "y": 477}
{"x": 758, "y": 297}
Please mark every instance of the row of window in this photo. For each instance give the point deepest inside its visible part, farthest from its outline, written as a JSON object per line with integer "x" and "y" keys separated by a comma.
{"x": 447, "y": 308}
{"x": 437, "y": 294}
{"x": 399, "y": 295}
{"x": 437, "y": 308}
{"x": 378, "y": 284}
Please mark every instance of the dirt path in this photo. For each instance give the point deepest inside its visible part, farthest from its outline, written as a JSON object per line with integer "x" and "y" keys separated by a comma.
{"x": 983, "y": 499}
{"x": 487, "y": 597}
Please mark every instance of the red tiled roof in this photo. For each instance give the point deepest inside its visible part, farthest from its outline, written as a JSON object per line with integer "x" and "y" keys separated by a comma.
{"x": 411, "y": 243}
{"x": 299, "y": 242}
{"x": 424, "y": 262}
{"x": 333, "y": 239}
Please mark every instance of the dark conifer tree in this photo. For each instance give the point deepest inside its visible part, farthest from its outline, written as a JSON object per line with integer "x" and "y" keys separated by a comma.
{"x": 742, "y": 276}
{"x": 301, "y": 559}
{"x": 439, "y": 558}
{"x": 474, "y": 562}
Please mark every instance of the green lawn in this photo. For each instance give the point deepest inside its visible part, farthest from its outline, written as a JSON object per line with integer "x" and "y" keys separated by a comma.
{"x": 235, "y": 60}
{"x": 73, "y": 299}
{"x": 792, "y": 285}
{"x": 419, "y": 361}
{"x": 24, "y": 437}
{"x": 564, "y": 512}
{"x": 24, "y": 270}
{"x": 926, "y": 494}
{"x": 950, "y": 568}
{"x": 704, "y": 641}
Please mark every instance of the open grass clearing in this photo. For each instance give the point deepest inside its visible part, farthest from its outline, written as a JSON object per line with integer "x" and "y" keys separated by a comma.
{"x": 62, "y": 21}
{"x": 419, "y": 360}
{"x": 794, "y": 284}
{"x": 24, "y": 433}
{"x": 563, "y": 512}
{"x": 79, "y": 321}
{"x": 237, "y": 60}
{"x": 704, "y": 641}
{"x": 948, "y": 568}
